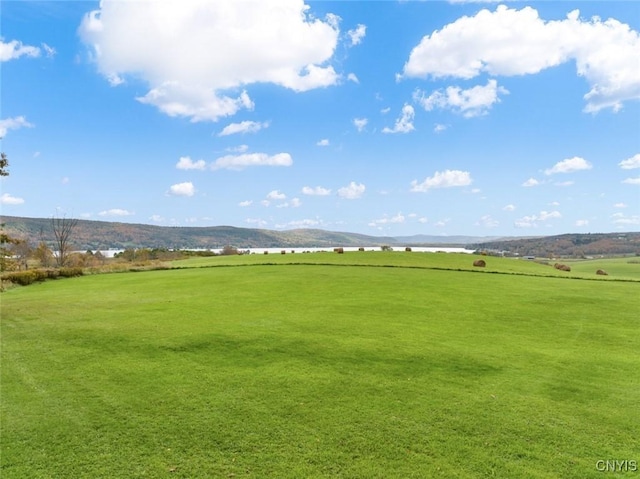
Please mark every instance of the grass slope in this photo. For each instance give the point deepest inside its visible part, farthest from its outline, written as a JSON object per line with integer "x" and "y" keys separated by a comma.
{"x": 319, "y": 371}
{"x": 626, "y": 269}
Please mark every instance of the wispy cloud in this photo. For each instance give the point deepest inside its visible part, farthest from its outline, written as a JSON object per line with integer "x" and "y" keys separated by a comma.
{"x": 360, "y": 123}
{"x": 239, "y": 162}
{"x": 357, "y": 34}
{"x": 276, "y": 195}
{"x": 315, "y": 191}
{"x": 7, "y": 199}
{"x": 444, "y": 179}
{"x": 186, "y": 163}
{"x": 243, "y": 127}
{"x": 487, "y": 221}
{"x": 13, "y": 124}
{"x": 569, "y": 165}
{"x": 621, "y": 219}
{"x": 16, "y": 49}
{"x": 533, "y": 221}
{"x": 476, "y": 101}
{"x": 352, "y": 191}
{"x": 116, "y": 212}
{"x": 531, "y": 182}
{"x": 404, "y": 124}
{"x": 630, "y": 163}
{"x": 385, "y": 220}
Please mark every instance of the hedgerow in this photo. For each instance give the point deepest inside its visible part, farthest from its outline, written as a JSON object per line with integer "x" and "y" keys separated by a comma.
{"x": 25, "y": 278}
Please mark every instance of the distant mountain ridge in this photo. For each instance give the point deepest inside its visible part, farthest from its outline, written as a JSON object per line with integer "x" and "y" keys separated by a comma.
{"x": 104, "y": 235}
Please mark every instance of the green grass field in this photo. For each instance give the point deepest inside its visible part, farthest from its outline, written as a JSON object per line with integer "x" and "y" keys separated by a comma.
{"x": 323, "y": 370}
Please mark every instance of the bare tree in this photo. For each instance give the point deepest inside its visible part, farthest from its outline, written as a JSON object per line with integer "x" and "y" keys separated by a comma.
{"x": 62, "y": 230}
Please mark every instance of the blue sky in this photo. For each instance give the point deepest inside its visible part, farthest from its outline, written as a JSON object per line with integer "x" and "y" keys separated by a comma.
{"x": 382, "y": 118}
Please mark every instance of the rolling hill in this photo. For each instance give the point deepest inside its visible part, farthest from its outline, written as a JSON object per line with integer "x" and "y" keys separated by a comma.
{"x": 105, "y": 235}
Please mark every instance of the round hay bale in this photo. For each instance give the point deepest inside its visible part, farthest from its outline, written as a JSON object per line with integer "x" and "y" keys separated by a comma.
{"x": 562, "y": 267}
{"x": 602, "y": 272}
{"x": 480, "y": 263}
{"x": 408, "y": 249}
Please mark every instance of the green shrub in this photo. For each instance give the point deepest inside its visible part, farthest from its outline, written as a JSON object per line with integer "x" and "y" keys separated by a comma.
{"x": 52, "y": 273}
{"x": 70, "y": 272}
{"x": 22, "y": 278}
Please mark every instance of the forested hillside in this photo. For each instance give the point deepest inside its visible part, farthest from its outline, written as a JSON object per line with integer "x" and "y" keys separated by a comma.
{"x": 568, "y": 245}
{"x": 103, "y": 235}
{"x": 96, "y": 235}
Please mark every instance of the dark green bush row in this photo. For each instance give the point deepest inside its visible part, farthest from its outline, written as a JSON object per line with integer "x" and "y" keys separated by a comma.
{"x": 25, "y": 278}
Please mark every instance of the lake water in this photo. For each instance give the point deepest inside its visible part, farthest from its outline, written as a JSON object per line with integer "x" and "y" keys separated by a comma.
{"x": 416, "y": 249}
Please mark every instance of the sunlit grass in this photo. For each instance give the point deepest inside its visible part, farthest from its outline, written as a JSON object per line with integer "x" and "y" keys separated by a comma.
{"x": 320, "y": 371}
{"x": 617, "y": 268}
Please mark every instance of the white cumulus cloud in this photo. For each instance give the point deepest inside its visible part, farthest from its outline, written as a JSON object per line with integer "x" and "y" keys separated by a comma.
{"x": 323, "y": 142}
{"x": 404, "y": 124}
{"x": 243, "y": 127}
{"x": 475, "y": 101}
{"x": 630, "y": 163}
{"x": 246, "y": 203}
{"x": 239, "y": 162}
{"x": 444, "y": 179}
{"x": 182, "y": 189}
{"x": 632, "y": 181}
{"x": 186, "y": 163}
{"x": 352, "y": 191}
{"x": 513, "y": 42}
{"x": 509, "y": 208}
{"x": 569, "y": 166}
{"x": 192, "y": 53}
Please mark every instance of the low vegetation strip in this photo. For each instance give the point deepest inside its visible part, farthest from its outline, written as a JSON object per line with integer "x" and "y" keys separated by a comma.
{"x": 318, "y": 372}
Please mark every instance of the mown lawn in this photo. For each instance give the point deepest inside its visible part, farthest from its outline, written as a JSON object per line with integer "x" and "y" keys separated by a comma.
{"x": 296, "y": 371}
{"x": 618, "y": 268}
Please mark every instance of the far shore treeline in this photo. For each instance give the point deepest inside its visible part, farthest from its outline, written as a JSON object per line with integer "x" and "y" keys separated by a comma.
{"x": 102, "y": 235}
